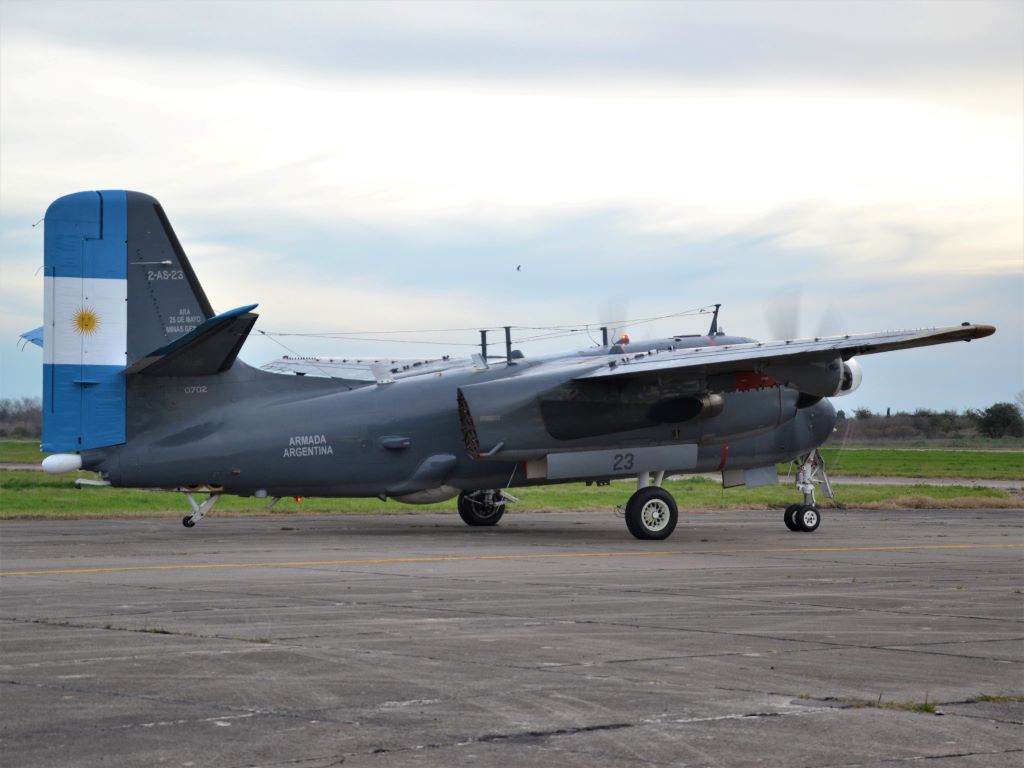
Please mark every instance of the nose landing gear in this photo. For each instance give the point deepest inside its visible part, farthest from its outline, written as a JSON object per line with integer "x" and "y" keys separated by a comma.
{"x": 806, "y": 517}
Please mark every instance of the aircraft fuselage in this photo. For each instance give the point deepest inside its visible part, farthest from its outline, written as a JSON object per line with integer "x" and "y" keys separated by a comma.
{"x": 248, "y": 432}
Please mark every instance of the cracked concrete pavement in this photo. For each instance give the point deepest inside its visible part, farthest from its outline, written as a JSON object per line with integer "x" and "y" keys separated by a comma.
{"x": 553, "y": 638}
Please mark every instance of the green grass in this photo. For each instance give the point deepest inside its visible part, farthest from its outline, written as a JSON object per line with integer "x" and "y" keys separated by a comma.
{"x": 989, "y": 698}
{"x": 20, "y": 452}
{"x": 36, "y": 494}
{"x": 871, "y": 462}
{"x": 976, "y": 443}
{"x": 25, "y": 494}
{"x": 698, "y": 492}
{"x": 924, "y": 707}
{"x": 883, "y": 462}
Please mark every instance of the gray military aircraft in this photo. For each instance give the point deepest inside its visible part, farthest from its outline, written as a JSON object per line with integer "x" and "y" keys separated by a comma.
{"x": 142, "y": 384}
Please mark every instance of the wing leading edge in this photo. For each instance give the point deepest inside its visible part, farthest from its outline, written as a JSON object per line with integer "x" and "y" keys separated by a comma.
{"x": 736, "y": 357}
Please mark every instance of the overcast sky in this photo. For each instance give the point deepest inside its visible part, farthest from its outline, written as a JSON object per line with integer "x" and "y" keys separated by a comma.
{"x": 387, "y": 166}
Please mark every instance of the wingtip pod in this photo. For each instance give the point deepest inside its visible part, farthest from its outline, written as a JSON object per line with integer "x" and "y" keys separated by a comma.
{"x": 965, "y": 332}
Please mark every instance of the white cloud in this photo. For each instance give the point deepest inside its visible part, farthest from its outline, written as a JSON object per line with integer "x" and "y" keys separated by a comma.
{"x": 878, "y": 42}
{"x": 236, "y": 140}
{"x": 851, "y": 147}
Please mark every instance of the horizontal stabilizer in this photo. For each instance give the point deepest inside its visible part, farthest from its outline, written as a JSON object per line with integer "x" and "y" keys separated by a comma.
{"x": 208, "y": 349}
{"x": 35, "y": 336}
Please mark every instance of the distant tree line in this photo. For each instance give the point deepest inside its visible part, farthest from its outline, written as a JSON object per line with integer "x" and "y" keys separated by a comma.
{"x": 22, "y": 418}
{"x": 997, "y": 421}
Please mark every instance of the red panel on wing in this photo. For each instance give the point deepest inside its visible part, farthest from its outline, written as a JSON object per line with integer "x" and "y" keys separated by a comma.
{"x": 753, "y": 380}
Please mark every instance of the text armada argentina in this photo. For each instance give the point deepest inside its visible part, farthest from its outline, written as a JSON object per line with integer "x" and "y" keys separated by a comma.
{"x": 307, "y": 445}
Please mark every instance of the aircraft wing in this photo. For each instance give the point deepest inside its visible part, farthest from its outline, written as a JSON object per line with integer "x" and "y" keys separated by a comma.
{"x": 762, "y": 354}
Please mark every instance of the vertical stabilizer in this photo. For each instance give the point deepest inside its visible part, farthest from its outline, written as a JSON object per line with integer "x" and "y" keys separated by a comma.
{"x": 117, "y": 286}
{"x": 85, "y": 321}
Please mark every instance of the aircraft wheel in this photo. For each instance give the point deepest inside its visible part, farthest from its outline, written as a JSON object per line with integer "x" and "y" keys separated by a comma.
{"x": 808, "y": 518}
{"x": 481, "y": 507}
{"x": 188, "y": 522}
{"x": 789, "y": 517}
{"x": 651, "y": 513}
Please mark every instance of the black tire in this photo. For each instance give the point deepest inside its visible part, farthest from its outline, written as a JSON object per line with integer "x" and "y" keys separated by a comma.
{"x": 789, "y": 517}
{"x": 808, "y": 518}
{"x": 651, "y": 513}
{"x": 188, "y": 522}
{"x": 481, "y": 507}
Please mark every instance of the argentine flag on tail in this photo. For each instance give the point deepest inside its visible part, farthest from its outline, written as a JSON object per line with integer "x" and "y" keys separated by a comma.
{"x": 85, "y": 330}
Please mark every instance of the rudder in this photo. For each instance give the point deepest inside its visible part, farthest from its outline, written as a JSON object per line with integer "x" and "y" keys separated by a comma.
{"x": 165, "y": 299}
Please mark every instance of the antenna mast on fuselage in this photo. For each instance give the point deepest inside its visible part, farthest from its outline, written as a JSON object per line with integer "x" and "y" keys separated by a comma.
{"x": 713, "y": 330}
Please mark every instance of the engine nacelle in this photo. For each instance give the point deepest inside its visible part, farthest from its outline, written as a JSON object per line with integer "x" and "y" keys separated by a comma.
{"x": 852, "y": 377}
{"x": 820, "y": 378}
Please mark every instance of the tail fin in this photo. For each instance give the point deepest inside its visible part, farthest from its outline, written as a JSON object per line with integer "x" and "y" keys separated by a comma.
{"x": 117, "y": 286}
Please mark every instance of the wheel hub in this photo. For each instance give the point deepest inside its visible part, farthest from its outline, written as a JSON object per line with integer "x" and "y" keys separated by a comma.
{"x": 655, "y": 514}
{"x": 486, "y": 503}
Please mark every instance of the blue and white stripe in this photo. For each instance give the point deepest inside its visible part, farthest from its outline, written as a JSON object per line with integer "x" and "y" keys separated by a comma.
{"x": 85, "y": 331}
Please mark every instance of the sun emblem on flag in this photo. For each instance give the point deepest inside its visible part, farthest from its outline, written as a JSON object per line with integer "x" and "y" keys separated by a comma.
{"x": 86, "y": 321}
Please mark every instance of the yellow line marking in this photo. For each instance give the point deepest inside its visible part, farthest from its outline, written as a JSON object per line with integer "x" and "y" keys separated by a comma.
{"x": 480, "y": 558}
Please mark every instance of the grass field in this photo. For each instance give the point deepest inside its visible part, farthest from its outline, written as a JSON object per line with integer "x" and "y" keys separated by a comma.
{"x": 37, "y": 495}
{"x": 20, "y": 452}
{"x": 876, "y": 462}
{"x": 33, "y": 494}
{"x": 870, "y": 462}
{"x": 944, "y": 444}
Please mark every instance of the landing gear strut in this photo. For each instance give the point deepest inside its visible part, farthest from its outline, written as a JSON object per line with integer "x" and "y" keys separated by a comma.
{"x": 806, "y": 517}
{"x": 198, "y": 510}
{"x": 651, "y": 512}
{"x": 481, "y": 507}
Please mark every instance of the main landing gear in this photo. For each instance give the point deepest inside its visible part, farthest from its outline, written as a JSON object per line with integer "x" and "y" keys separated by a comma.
{"x": 651, "y": 512}
{"x": 806, "y": 517}
{"x": 482, "y": 507}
